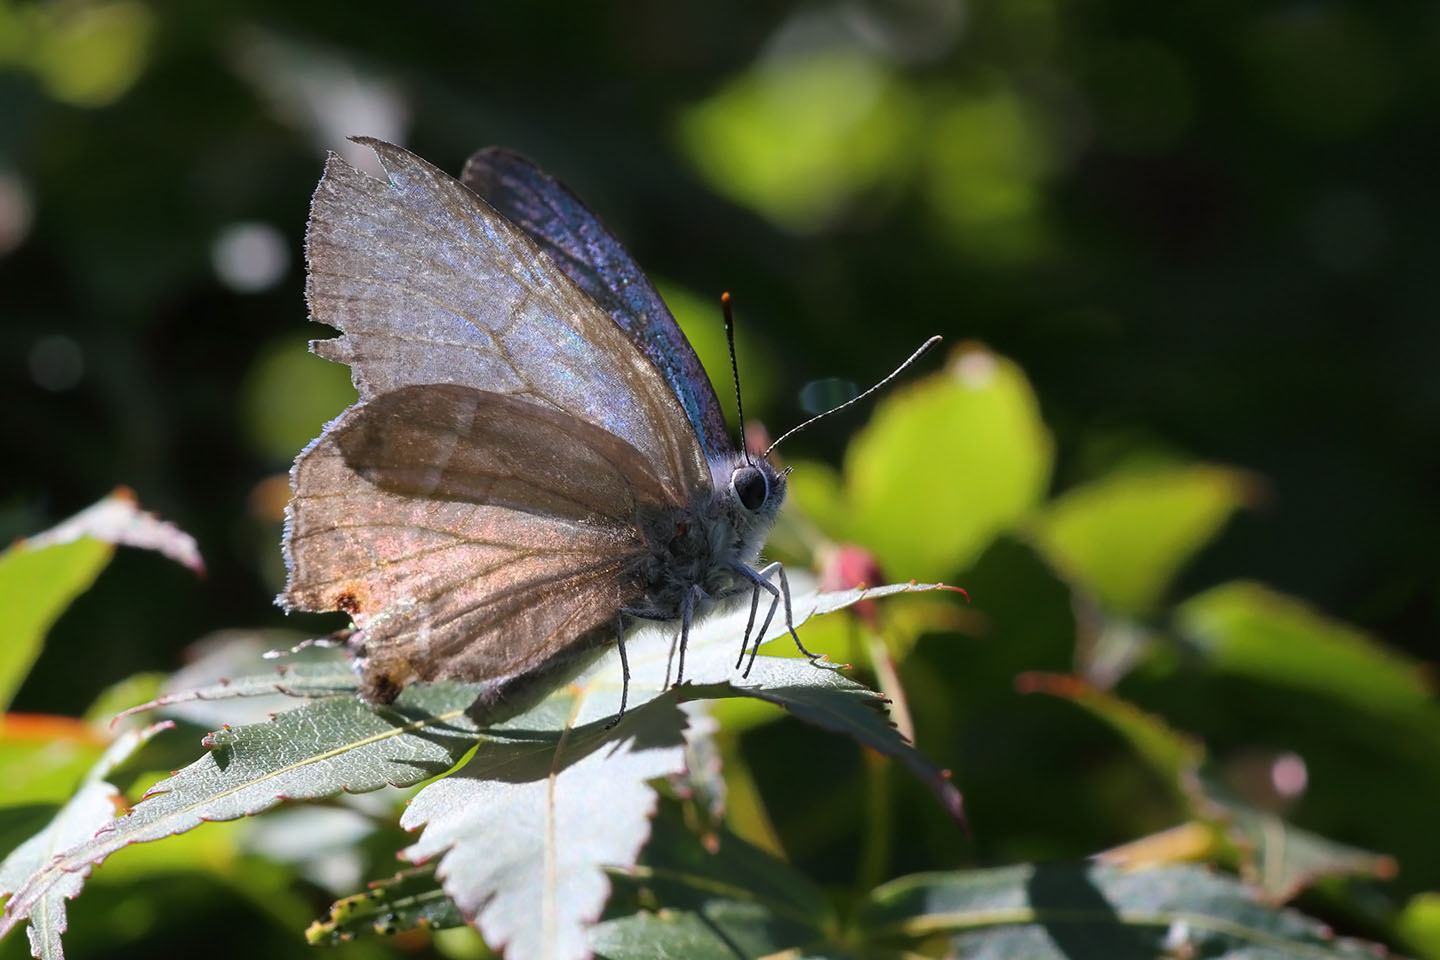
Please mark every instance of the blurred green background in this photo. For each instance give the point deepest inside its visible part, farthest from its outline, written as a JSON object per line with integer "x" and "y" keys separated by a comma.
{"x": 1188, "y": 233}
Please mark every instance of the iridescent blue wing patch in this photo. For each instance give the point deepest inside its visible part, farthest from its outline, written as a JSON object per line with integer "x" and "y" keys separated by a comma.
{"x": 590, "y": 255}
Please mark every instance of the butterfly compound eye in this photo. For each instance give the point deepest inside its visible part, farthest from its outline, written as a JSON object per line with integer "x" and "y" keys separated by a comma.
{"x": 751, "y": 487}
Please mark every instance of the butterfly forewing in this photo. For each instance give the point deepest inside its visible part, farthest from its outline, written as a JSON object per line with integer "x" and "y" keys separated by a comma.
{"x": 429, "y": 285}
{"x": 595, "y": 259}
{"x": 476, "y": 512}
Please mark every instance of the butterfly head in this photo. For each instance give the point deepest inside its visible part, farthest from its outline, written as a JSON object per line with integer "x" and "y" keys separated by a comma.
{"x": 756, "y": 490}
{"x": 750, "y": 486}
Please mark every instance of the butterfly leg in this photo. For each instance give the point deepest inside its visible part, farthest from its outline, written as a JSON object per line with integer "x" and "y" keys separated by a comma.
{"x": 624, "y": 669}
{"x": 660, "y": 616}
{"x": 750, "y": 624}
{"x": 687, "y": 615}
{"x": 761, "y": 580}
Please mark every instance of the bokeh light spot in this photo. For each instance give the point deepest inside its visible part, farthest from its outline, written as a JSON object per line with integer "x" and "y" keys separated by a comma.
{"x": 988, "y": 159}
{"x": 89, "y": 55}
{"x": 56, "y": 363}
{"x": 1348, "y": 231}
{"x": 799, "y": 136}
{"x": 289, "y": 394}
{"x": 16, "y": 212}
{"x": 250, "y": 257}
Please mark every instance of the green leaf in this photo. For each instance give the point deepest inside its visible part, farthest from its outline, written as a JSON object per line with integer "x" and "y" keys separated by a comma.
{"x": 36, "y": 586}
{"x": 1418, "y": 925}
{"x": 946, "y": 464}
{"x": 768, "y": 140}
{"x": 317, "y": 750}
{"x": 1073, "y": 912}
{"x": 43, "y": 757}
{"x": 552, "y": 761}
{"x": 1124, "y": 537}
{"x": 684, "y": 900}
{"x": 406, "y": 901}
{"x": 1248, "y": 629}
{"x": 1280, "y": 858}
{"x": 1174, "y": 756}
{"x": 88, "y": 810}
{"x": 41, "y": 575}
{"x": 550, "y": 798}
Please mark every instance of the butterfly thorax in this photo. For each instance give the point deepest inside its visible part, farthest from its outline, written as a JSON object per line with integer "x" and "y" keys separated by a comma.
{"x": 704, "y": 542}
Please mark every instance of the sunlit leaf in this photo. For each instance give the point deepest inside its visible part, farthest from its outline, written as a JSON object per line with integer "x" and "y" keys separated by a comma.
{"x": 92, "y": 806}
{"x": 1076, "y": 912}
{"x": 522, "y": 833}
{"x": 553, "y": 761}
{"x": 798, "y": 136}
{"x": 42, "y": 757}
{"x": 35, "y": 588}
{"x": 118, "y": 520}
{"x": 1124, "y": 537}
{"x": 988, "y": 161}
{"x": 317, "y": 750}
{"x": 1419, "y": 925}
{"x": 89, "y": 55}
{"x": 1251, "y": 630}
{"x": 945, "y": 465}
{"x": 41, "y": 575}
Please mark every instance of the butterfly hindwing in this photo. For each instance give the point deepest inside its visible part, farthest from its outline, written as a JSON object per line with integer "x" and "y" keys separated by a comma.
{"x": 469, "y": 535}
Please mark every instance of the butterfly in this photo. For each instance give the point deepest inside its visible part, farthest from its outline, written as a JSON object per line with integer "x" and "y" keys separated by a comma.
{"x": 537, "y": 457}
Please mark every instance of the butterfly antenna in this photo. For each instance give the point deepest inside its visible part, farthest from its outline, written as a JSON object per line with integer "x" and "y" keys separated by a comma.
{"x": 734, "y": 369}
{"x": 924, "y": 348}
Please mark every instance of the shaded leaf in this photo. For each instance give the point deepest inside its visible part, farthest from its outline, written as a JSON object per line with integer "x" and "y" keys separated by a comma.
{"x": 410, "y": 899}
{"x": 1173, "y": 755}
{"x": 685, "y": 901}
{"x": 837, "y": 703}
{"x": 1355, "y": 710}
{"x": 1072, "y": 912}
{"x": 1280, "y": 858}
{"x": 1125, "y": 536}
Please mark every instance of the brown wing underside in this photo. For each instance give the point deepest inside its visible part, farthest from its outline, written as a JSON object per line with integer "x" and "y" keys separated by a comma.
{"x": 471, "y": 536}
